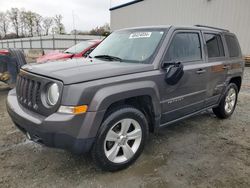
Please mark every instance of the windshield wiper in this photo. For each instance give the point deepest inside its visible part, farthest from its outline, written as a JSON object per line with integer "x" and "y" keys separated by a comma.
{"x": 108, "y": 57}
{"x": 66, "y": 52}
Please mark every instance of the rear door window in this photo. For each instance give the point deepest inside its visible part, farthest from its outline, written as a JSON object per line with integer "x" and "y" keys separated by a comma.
{"x": 214, "y": 45}
{"x": 184, "y": 47}
{"x": 233, "y": 46}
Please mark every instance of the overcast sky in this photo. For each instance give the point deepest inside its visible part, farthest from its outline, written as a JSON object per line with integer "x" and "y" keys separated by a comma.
{"x": 88, "y": 13}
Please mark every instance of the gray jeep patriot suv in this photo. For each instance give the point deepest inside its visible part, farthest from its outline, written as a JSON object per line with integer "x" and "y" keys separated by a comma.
{"x": 135, "y": 82}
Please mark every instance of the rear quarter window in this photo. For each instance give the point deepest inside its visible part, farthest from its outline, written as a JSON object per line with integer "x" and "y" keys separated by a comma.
{"x": 214, "y": 45}
{"x": 233, "y": 46}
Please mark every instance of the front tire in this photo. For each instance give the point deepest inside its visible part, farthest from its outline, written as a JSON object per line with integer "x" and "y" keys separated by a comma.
{"x": 228, "y": 102}
{"x": 121, "y": 139}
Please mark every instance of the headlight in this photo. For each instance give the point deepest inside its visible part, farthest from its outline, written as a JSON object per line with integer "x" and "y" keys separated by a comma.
{"x": 53, "y": 94}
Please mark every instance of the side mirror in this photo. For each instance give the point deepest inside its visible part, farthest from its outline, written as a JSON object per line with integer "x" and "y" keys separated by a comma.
{"x": 174, "y": 72}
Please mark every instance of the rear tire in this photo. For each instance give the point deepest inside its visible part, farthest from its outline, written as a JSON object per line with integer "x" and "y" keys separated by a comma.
{"x": 121, "y": 139}
{"x": 228, "y": 102}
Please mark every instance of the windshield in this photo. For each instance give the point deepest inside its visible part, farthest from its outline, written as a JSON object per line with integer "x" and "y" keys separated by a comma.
{"x": 136, "y": 46}
{"x": 78, "y": 48}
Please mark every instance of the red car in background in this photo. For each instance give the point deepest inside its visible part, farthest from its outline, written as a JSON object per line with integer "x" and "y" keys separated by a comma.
{"x": 4, "y": 52}
{"x": 82, "y": 49}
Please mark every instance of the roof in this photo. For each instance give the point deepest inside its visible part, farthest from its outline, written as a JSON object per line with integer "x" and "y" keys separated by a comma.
{"x": 148, "y": 27}
{"x": 211, "y": 27}
{"x": 197, "y": 27}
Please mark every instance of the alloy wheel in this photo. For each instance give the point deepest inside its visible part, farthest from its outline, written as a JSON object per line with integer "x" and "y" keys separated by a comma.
{"x": 230, "y": 100}
{"x": 123, "y": 140}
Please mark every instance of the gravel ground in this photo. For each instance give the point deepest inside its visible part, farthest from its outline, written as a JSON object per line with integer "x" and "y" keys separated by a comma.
{"x": 202, "y": 151}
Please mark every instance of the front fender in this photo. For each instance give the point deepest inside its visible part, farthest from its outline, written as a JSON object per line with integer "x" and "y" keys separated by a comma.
{"x": 111, "y": 94}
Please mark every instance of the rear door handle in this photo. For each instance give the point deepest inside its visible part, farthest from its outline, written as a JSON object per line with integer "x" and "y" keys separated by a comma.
{"x": 201, "y": 71}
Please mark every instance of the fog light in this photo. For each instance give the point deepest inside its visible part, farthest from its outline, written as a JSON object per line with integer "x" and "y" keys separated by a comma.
{"x": 73, "y": 109}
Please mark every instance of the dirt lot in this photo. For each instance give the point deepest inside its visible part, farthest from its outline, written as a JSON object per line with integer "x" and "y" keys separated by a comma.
{"x": 200, "y": 152}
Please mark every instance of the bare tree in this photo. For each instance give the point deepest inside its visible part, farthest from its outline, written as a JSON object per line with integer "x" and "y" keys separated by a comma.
{"x": 47, "y": 24}
{"x": 38, "y": 20}
{"x": 59, "y": 29}
{"x": 23, "y": 25}
{"x": 102, "y": 30}
{"x": 4, "y": 24}
{"x": 30, "y": 22}
{"x": 13, "y": 15}
{"x": 27, "y": 23}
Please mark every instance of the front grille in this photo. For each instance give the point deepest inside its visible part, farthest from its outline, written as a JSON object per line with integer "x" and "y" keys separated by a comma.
{"x": 28, "y": 91}
{"x": 31, "y": 91}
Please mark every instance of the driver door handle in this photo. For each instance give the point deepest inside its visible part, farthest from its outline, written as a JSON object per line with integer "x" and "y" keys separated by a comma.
{"x": 201, "y": 71}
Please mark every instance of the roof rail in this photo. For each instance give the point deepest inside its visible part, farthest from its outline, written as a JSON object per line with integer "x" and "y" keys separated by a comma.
{"x": 212, "y": 27}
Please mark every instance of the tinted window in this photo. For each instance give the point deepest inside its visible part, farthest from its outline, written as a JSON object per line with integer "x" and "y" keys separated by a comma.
{"x": 214, "y": 45}
{"x": 184, "y": 47}
{"x": 233, "y": 46}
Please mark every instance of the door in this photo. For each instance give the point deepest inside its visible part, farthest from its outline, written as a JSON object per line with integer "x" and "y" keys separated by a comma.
{"x": 188, "y": 95}
{"x": 218, "y": 67}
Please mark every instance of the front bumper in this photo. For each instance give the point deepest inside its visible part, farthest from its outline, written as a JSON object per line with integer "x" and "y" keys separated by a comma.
{"x": 75, "y": 133}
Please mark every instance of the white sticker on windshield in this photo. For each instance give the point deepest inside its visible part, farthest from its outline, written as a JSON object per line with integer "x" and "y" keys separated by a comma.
{"x": 140, "y": 35}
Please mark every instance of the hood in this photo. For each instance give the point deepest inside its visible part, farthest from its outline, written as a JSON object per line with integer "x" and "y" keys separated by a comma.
{"x": 82, "y": 70}
{"x": 53, "y": 56}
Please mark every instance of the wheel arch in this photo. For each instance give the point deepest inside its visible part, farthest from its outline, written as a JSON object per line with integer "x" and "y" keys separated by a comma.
{"x": 237, "y": 81}
{"x": 142, "y": 95}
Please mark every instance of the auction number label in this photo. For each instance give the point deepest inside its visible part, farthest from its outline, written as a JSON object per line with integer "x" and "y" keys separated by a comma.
{"x": 140, "y": 35}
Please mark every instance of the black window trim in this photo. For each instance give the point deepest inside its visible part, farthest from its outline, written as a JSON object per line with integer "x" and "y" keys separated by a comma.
{"x": 240, "y": 52}
{"x": 186, "y": 31}
{"x": 212, "y": 59}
